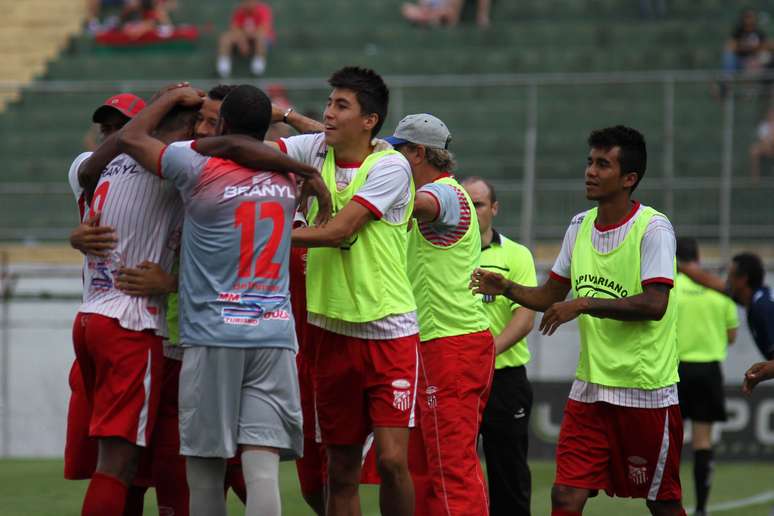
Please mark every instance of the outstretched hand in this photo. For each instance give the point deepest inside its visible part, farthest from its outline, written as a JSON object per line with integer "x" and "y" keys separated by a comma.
{"x": 486, "y": 282}
{"x": 756, "y": 374}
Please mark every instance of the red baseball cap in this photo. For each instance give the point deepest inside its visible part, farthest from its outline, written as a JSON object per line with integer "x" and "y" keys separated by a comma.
{"x": 128, "y": 104}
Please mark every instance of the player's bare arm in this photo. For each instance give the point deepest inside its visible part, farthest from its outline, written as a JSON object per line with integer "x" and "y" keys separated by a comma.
{"x": 135, "y": 138}
{"x": 535, "y": 298}
{"x": 521, "y": 323}
{"x": 651, "y": 305}
{"x": 426, "y": 207}
{"x": 147, "y": 279}
{"x": 694, "y": 271}
{"x": 91, "y": 169}
{"x": 257, "y": 155}
{"x": 91, "y": 238}
{"x": 336, "y": 232}
{"x": 297, "y": 121}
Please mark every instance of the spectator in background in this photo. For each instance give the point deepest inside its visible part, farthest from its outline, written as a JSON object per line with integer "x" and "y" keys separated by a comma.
{"x": 764, "y": 145}
{"x": 444, "y": 12}
{"x": 142, "y": 16}
{"x": 251, "y": 32}
{"x": 746, "y": 49}
{"x": 95, "y": 12}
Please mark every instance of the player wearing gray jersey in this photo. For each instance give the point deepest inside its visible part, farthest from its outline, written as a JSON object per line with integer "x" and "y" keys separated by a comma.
{"x": 238, "y": 385}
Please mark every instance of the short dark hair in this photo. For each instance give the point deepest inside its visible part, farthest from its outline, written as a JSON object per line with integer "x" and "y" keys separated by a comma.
{"x": 750, "y": 265}
{"x": 489, "y": 186}
{"x": 687, "y": 249}
{"x": 633, "y": 155}
{"x": 246, "y": 110}
{"x": 371, "y": 92}
{"x": 220, "y": 91}
{"x": 179, "y": 117}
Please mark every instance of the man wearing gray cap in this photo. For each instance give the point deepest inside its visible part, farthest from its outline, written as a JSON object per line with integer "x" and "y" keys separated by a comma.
{"x": 457, "y": 349}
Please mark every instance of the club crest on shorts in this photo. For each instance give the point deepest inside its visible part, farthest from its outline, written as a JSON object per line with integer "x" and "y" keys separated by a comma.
{"x": 401, "y": 399}
{"x": 432, "y": 400}
{"x": 638, "y": 470}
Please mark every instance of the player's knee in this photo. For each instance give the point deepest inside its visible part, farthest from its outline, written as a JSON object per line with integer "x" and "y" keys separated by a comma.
{"x": 567, "y": 498}
{"x": 392, "y": 465}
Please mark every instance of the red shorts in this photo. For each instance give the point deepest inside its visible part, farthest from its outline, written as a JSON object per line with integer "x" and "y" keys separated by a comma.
{"x": 361, "y": 384}
{"x": 456, "y": 375}
{"x": 80, "y": 453}
{"x": 121, "y": 372}
{"x": 628, "y": 452}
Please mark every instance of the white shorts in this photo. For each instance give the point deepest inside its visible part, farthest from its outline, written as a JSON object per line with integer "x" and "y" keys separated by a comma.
{"x": 239, "y": 396}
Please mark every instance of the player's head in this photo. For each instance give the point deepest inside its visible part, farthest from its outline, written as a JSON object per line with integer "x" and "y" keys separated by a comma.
{"x": 207, "y": 123}
{"x": 178, "y": 124}
{"x": 748, "y": 19}
{"x": 745, "y": 275}
{"x": 356, "y": 107}
{"x": 616, "y": 162}
{"x": 245, "y": 110}
{"x": 115, "y": 112}
{"x": 482, "y": 194}
{"x": 424, "y": 140}
{"x": 687, "y": 249}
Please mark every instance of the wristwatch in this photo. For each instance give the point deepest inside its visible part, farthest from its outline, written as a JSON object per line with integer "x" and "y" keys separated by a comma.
{"x": 287, "y": 112}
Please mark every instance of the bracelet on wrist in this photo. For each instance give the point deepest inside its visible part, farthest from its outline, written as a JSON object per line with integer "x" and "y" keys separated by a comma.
{"x": 287, "y": 113}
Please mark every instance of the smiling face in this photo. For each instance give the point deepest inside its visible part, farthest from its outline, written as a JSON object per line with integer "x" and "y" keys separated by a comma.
{"x": 207, "y": 122}
{"x": 344, "y": 118}
{"x": 604, "y": 178}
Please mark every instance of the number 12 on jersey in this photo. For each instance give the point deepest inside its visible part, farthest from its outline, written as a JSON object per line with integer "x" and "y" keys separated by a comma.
{"x": 245, "y": 216}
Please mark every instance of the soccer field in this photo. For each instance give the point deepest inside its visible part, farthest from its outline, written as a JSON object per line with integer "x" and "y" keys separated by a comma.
{"x": 36, "y": 487}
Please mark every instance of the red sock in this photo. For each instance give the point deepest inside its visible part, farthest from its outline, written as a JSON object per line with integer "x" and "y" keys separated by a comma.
{"x": 106, "y": 496}
{"x": 562, "y": 512}
{"x": 171, "y": 486}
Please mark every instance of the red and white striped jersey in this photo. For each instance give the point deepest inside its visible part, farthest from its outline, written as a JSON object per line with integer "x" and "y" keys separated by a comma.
{"x": 147, "y": 215}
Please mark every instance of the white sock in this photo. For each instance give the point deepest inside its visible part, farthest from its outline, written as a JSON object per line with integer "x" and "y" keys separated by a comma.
{"x": 224, "y": 66}
{"x": 258, "y": 66}
{"x": 205, "y": 482}
{"x": 261, "y": 471}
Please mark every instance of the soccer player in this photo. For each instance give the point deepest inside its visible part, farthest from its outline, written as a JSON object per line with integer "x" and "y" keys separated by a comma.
{"x": 706, "y": 325}
{"x": 457, "y": 348}
{"x": 506, "y": 418}
{"x": 80, "y": 455}
{"x": 622, "y": 430}
{"x": 238, "y": 383}
{"x": 114, "y": 335}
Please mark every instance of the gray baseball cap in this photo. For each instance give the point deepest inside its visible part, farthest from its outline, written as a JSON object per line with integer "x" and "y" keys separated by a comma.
{"x": 422, "y": 129}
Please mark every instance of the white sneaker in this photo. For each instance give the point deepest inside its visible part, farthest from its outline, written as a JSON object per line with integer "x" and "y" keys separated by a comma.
{"x": 258, "y": 66}
{"x": 224, "y": 66}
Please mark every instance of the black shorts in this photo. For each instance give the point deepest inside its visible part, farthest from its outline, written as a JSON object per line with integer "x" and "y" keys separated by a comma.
{"x": 701, "y": 392}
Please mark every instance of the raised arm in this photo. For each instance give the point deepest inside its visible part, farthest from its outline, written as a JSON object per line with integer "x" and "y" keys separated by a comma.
{"x": 694, "y": 271}
{"x": 535, "y": 298}
{"x": 135, "y": 138}
{"x": 257, "y": 155}
{"x": 296, "y": 120}
{"x": 91, "y": 169}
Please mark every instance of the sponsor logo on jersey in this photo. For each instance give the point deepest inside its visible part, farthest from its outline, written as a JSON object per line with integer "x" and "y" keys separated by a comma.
{"x": 242, "y": 315}
{"x": 401, "y": 384}
{"x": 590, "y": 285}
{"x": 638, "y": 470}
{"x": 259, "y": 190}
